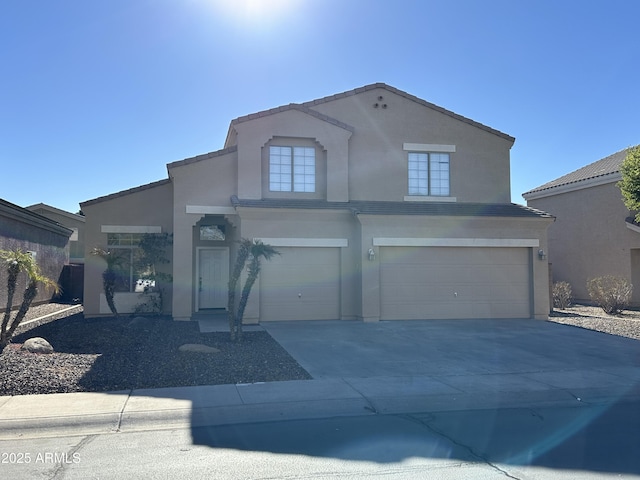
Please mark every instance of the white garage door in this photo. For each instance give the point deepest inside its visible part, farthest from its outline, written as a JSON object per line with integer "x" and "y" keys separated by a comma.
{"x": 303, "y": 283}
{"x": 450, "y": 282}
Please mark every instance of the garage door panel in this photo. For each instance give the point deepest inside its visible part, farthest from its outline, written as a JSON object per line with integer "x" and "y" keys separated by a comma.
{"x": 447, "y": 282}
{"x": 301, "y": 284}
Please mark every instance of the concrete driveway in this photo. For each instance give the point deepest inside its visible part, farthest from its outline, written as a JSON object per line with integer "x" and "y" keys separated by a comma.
{"x": 480, "y": 356}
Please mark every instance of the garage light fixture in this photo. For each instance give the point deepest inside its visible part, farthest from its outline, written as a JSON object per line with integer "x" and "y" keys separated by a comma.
{"x": 371, "y": 254}
{"x": 541, "y": 254}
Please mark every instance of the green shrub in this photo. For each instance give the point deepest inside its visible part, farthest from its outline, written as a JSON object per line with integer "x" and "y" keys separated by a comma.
{"x": 610, "y": 293}
{"x": 561, "y": 295}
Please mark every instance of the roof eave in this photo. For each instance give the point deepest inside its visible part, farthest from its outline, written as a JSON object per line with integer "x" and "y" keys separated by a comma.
{"x": 23, "y": 215}
{"x": 573, "y": 186}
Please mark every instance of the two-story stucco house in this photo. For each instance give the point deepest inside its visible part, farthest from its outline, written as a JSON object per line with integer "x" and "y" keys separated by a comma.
{"x": 383, "y": 206}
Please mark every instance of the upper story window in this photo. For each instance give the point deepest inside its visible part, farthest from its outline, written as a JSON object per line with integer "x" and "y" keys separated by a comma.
{"x": 428, "y": 174}
{"x": 292, "y": 169}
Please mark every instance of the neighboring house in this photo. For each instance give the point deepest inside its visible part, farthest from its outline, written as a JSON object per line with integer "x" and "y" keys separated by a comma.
{"x": 72, "y": 221}
{"x": 72, "y": 277}
{"x": 47, "y": 240}
{"x": 594, "y": 234}
{"x": 383, "y": 206}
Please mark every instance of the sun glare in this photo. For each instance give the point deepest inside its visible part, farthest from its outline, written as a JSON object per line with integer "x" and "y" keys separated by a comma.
{"x": 255, "y": 12}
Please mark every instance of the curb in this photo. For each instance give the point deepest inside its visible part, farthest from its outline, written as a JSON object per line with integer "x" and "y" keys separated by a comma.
{"x": 203, "y": 406}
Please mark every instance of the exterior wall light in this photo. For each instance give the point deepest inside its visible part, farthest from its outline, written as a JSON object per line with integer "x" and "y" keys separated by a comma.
{"x": 371, "y": 254}
{"x": 541, "y": 254}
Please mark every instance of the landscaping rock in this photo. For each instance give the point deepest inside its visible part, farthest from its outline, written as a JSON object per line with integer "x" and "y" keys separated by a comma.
{"x": 37, "y": 345}
{"x": 197, "y": 348}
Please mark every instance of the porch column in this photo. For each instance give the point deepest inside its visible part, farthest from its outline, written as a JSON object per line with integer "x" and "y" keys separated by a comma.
{"x": 182, "y": 266}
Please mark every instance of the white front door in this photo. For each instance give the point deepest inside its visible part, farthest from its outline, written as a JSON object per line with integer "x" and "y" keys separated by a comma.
{"x": 213, "y": 277}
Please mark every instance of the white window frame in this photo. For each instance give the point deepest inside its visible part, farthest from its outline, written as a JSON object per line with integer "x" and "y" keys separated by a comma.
{"x": 424, "y": 180}
{"x": 130, "y": 246}
{"x": 292, "y": 169}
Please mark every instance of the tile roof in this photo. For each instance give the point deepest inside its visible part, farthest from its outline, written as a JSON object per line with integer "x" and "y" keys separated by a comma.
{"x": 306, "y": 107}
{"x": 400, "y": 208}
{"x": 293, "y": 106}
{"x": 601, "y": 169}
{"x": 413, "y": 98}
{"x": 49, "y": 208}
{"x": 11, "y": 210}
{"x": 125, "y": 192}
{"x": 199, "y": 158}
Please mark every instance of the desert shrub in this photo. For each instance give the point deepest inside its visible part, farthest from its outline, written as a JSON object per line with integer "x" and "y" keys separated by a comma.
{"x": 610, "y": 293}
{"x": 561, "y": 295}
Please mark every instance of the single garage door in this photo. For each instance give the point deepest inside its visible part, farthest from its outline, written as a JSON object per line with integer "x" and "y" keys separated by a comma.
{"x": 454, "y": 282}
{"x": 303, "y": 283}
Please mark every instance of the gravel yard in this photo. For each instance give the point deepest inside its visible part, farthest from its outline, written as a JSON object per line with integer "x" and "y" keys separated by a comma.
{"x": 107, "y": 354}
{"x": 593, "y": 318}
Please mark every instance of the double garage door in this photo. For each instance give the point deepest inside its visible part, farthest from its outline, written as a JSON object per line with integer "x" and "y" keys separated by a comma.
{"x": 454, "y": 282}
{"x": 415, "y": 283}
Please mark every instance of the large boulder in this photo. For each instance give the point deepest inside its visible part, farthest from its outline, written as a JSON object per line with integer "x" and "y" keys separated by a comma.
{"x": 37, "y": 345}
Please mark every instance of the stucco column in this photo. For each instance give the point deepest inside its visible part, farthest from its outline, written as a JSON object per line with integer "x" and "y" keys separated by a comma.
{"x": 182, "y": 265}
{"x": 370, "y": 280}
{"x": 540, "y": 284}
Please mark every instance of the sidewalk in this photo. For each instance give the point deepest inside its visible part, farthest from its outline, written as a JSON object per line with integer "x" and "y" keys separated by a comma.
{"x": 125, "y": 411}
{"x": 366, "y": 369}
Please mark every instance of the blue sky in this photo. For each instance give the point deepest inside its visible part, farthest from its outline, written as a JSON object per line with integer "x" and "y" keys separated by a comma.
{"x": 98, "y": 96}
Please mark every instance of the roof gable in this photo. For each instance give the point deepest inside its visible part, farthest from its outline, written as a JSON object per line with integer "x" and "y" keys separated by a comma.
{"x": 49, "y": 208}
{"x": 413, "y": 98}
{"x": 307, "y": 107}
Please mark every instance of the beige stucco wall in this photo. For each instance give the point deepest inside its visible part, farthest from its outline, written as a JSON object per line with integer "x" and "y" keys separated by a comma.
{"x": 253, "y": 135}
{"x": 206, "y": 183}
{"x": 370, "y": 162}
{"x": 589, "y": 237}
{"x": 480, "y": 168}
{"x": 144, "y": 207}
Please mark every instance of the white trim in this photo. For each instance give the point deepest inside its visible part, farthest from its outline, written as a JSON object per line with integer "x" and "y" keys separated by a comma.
{"x": 429, "y": 198}
{"x": 305, "y": 242}
{"x": 634, "y": 228}
{"x": 455, "y": 242}
{"x": 572, "y": 187}
{"x": 210, "y": 210}
{"x": 428, "y": 147}
{"x": 130, "y": 229}
{"x": 50, "y": 315}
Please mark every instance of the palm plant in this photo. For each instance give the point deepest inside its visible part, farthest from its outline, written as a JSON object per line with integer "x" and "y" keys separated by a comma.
{"x": 18, "y": 261}
{"x": 253, "y": 251}
{"x": 109, "y": 276}
{"x": 241, "y": 259}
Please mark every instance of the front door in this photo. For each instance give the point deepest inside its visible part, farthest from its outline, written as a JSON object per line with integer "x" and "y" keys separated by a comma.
{"x": 213, "y": 277}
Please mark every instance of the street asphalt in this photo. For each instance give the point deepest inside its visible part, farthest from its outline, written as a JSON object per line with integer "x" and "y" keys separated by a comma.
{"x": 367, "y": 369}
